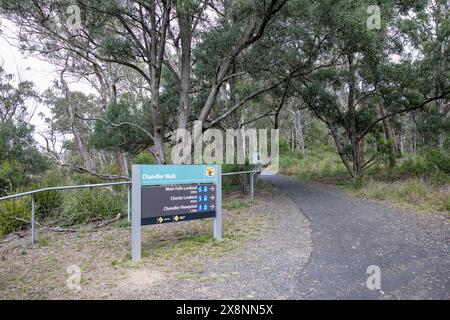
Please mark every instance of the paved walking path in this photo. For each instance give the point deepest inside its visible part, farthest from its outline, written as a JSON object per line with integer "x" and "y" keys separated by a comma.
{"x": 349, "y": 234}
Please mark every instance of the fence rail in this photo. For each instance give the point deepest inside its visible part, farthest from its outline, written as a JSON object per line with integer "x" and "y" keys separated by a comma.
{"x": 252, "y": 173}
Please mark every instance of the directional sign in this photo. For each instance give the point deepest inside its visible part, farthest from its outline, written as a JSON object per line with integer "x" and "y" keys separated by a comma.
{"x": 175, "y": 203}
{"x": 174, "y": 193}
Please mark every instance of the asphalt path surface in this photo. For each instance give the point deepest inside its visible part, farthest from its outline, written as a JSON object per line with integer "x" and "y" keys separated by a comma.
{"x": 349, "y": 235}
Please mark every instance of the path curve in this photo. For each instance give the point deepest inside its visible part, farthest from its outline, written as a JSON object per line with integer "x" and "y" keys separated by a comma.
{"x": 350, "y": 234}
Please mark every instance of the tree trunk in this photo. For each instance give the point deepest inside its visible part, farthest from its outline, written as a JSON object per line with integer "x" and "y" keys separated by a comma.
{"x": 232, "y": 101}
{"x": 157, "y": 46}
{"x": 120, "y": 163}
{"x": 389, "y": 135}
{"x": 344, "y": 160}
{"x": 85, "y": 156}
{"x": 184, "y": 21}
{"x": 352, "y": 133}
{"x": 184, "y": 109}
{"x": 299, "y": 139}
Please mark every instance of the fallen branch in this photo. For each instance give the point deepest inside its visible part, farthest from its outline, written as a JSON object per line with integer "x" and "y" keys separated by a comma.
{"x": 95, "y": 174}
{"x": 105, "y": 223}
{"x": 11, "y": 237}
{"x": 47, "y": 227}
{"x": 59, "y": 229}
{"x": 26, "y": 221}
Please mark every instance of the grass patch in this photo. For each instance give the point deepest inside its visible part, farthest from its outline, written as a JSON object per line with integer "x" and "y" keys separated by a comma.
{"x": 421, "y": 182}
{"x": 314, "y": 166}
{"x": 87, "y": 205}
{"x": 236, "y": 204}
{"x": 414, "y": 193}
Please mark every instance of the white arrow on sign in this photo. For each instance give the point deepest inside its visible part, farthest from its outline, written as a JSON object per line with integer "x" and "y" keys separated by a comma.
{"x": 212, "y": 206}
{"x": 212, "y": 188}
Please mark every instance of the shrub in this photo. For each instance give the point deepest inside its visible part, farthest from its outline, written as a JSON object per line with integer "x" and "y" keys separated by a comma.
{"x": 430, "y": 163}
{"x": 12, "y": 175}
{"x": 437, "y": 160}
{"x": 446, "y": 203}
{"x": 86, "y": 205}
{"x": 49, "y": 204}
{"x": 413, "y": 191}
{"x": 374, "y": 190}
{"x": 84, "y": 178}
{"x": 144, "y": 158}
{"x": 12, "y": 209}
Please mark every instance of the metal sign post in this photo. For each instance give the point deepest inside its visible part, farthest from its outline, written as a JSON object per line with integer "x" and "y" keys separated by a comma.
{"x": 136, "y": 212}
{"x": 174, "y": 193}
{"x": 218, "y": 219}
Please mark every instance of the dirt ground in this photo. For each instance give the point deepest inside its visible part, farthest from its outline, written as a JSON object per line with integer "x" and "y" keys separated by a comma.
{"x": 182, "y": 256}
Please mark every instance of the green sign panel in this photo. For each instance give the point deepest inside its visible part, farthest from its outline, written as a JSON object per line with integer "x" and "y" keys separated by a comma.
{"x": 175, "y": 193}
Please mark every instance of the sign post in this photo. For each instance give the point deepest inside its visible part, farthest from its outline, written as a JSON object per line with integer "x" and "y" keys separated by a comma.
{"x": 136, "y": 213}
{"x": 174, "y": 193}
{"x": 218, "y": 219}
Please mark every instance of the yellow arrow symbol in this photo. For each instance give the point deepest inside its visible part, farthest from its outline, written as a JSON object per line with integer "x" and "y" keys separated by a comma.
{"x": 160, "y": 220}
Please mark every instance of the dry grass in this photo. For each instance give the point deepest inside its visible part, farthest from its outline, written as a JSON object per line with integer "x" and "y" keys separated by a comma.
{"x": 399, "y": 186}
{"x": 414, "y": 193}
{"x": 103, "y": 256}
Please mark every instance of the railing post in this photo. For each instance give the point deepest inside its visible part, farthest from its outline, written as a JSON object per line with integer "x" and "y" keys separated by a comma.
{"x": 33, "y": 219}
{"x": 129, "y": 203}
{"x": 252, "y": 187}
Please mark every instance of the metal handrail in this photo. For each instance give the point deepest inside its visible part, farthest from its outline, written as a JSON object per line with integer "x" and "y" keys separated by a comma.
{"x": 33, "y": 192}
{"x": 238, "y": 172}
{"x": 17, "y": 195}
{"x": 64, "y": 188}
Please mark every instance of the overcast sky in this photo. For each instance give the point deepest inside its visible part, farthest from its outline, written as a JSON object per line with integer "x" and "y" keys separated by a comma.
{"x": 30, "y": 68}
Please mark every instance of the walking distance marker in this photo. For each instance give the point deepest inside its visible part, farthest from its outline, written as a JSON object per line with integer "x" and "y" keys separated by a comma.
{"x": 174, "y": 193}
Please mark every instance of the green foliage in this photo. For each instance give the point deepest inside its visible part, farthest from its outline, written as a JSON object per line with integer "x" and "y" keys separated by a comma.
{"x": 11, "y": 177}
{"x": 85, "y": 206}
{"x": 437, "y": 160}
{"x": 431, "y": 163}
{"x": 413, "y": 190}
{"x": 417, "y": 193}
{"x": 446, "y": 202}
{"x": 144, "y": 158}
{"x": 12, "y": 209}
{"x": 127, "y": 137}
{"x": 84, "y": 178}
{"x": 16, "y": 144}
{"x": 117, "y": 47}
{"x": 318, "y": 163}
{"x": 19, "y": 159}
{"x": 13, "y": 98}
{"x": 49, "y": 203}
{"x": 284, "y": 147}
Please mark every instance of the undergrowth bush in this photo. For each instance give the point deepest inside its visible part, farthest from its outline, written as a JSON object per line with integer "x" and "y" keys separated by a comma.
{"x": 317, "y": 164}
{"x": 430, "y": 163}
{"x": 12, "y": 209}
{"x": 446, "y": 203}
{"x": 49, "y": 204}
{"x": 84, "y": 206}
{"x": 413, "y": 190}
